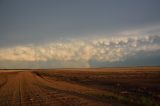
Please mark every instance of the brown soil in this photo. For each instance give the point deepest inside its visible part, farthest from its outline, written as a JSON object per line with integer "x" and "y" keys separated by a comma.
{"x": 81, "y": 87}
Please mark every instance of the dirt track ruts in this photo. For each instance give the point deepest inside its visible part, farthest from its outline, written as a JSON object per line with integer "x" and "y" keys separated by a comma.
{"x": 137, "y": 86}
{"x": 26, "y": 88}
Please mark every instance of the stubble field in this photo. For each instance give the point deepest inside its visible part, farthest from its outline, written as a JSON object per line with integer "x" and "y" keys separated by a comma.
{"x": 81, "y": 87}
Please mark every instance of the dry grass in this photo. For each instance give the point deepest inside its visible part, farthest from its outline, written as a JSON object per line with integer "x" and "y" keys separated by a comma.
{"x": 81, "y": 87}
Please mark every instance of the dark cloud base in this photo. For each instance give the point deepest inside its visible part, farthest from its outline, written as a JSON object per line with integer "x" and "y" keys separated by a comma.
{"x": 50, "y": 64}
{"x": 141, "y": 59}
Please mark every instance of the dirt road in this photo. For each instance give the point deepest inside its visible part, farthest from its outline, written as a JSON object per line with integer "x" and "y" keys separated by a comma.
{"x": 104, "y": 87}
{"x": 26, "y": 88}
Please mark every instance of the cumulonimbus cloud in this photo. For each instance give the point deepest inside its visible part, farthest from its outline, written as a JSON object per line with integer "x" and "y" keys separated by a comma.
{"x": 103, "y": 49}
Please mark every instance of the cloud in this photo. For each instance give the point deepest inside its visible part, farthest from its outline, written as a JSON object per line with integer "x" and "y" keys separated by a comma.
{"x": 82, "y": 51}
{"x": 79, "y": 52}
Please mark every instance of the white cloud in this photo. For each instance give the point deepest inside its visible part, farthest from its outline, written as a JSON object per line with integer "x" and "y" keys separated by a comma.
{"x": 110, "y": 50}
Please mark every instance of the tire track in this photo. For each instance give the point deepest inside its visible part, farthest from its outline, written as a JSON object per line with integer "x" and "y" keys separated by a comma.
{"x": 3, "y": 81}
{"x": 28, "y": 89}
{"x": 78, "y": 92}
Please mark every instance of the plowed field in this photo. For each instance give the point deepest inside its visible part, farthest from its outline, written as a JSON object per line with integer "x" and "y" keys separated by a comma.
{"x": 80, "y": 87}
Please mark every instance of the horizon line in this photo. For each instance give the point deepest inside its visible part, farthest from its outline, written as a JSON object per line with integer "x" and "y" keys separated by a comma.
{"x": 73, "y": 68}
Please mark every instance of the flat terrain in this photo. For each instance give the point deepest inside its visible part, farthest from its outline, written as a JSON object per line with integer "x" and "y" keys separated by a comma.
{"x": 81, "y": 87}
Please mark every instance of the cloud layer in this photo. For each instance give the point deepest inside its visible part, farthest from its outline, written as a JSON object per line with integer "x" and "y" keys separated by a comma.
{"x": 111, "y": 49}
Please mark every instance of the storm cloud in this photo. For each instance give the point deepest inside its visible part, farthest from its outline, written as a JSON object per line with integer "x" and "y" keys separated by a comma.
{"x": 111, "y": 50}
{"x": 79, "y": 33}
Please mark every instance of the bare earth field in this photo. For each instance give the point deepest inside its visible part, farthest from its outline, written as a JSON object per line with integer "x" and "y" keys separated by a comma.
{"x": 81, "y": 87}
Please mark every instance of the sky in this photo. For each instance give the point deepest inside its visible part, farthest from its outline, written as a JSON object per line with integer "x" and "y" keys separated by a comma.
{"x": 79, "y": 33}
